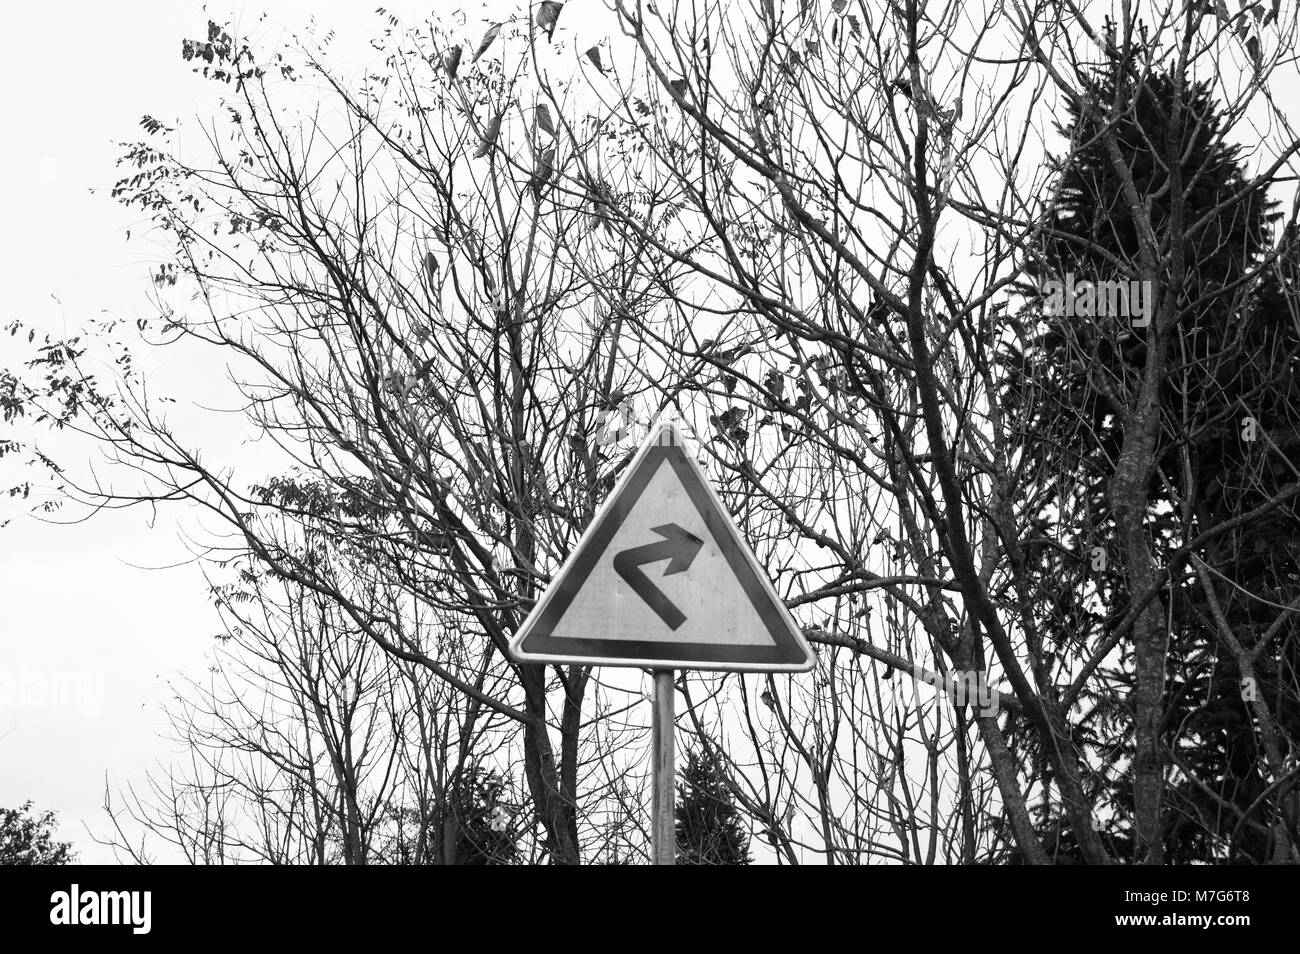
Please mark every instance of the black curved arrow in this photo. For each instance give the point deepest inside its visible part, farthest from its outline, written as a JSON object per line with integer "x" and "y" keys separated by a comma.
{"x": 679, "y": 547}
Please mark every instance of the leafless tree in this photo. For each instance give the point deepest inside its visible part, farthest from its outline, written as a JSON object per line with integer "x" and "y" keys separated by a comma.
{"x": 390, "y": 281}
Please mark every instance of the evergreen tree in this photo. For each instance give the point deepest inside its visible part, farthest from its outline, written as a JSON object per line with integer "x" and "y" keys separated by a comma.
{"x": 709, "y": 828}
{"x": 1234, "y": 347}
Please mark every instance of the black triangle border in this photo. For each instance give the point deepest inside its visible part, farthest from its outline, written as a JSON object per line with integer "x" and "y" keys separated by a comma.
{"x": 789, "y": 652}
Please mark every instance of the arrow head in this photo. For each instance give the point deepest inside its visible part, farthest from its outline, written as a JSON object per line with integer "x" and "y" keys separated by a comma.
{"x": 683, "y": 546}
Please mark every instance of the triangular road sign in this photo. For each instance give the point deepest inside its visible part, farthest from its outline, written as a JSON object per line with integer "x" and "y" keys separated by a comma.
{"x": 662, "y": 579}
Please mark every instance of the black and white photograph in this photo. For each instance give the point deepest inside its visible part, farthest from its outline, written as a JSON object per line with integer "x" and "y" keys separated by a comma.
{"x": 651, "y": 432}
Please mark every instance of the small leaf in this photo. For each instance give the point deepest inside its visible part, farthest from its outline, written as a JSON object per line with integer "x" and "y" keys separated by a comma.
{"x": 543, "y": 166}
{"x": 547, "y": 14}
{"x": 489, "y": 137}
{"x": 542, "y": 119}
{"x": 594, "y": 55}
{"x": 488, "y": 37}
{"x": 678, "y": 86}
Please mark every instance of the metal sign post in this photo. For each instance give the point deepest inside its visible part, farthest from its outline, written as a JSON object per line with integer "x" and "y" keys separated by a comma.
{"x": 663, "y": 821}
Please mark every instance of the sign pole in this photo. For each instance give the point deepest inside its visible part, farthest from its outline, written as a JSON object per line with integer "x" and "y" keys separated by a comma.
{"x": 663, "y": 839}
{"x": 663, "y": 580}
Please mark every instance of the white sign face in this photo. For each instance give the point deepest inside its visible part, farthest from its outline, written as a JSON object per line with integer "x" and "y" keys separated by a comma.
{"x": 662, "y": 579}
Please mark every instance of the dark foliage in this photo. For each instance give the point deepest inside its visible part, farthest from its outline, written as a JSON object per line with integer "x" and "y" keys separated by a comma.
{"x": 473, "y": 826}
{"x": 28, "y": 839}
{"x": 1230, "y": 355}
{"x": 709, "y": 828}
